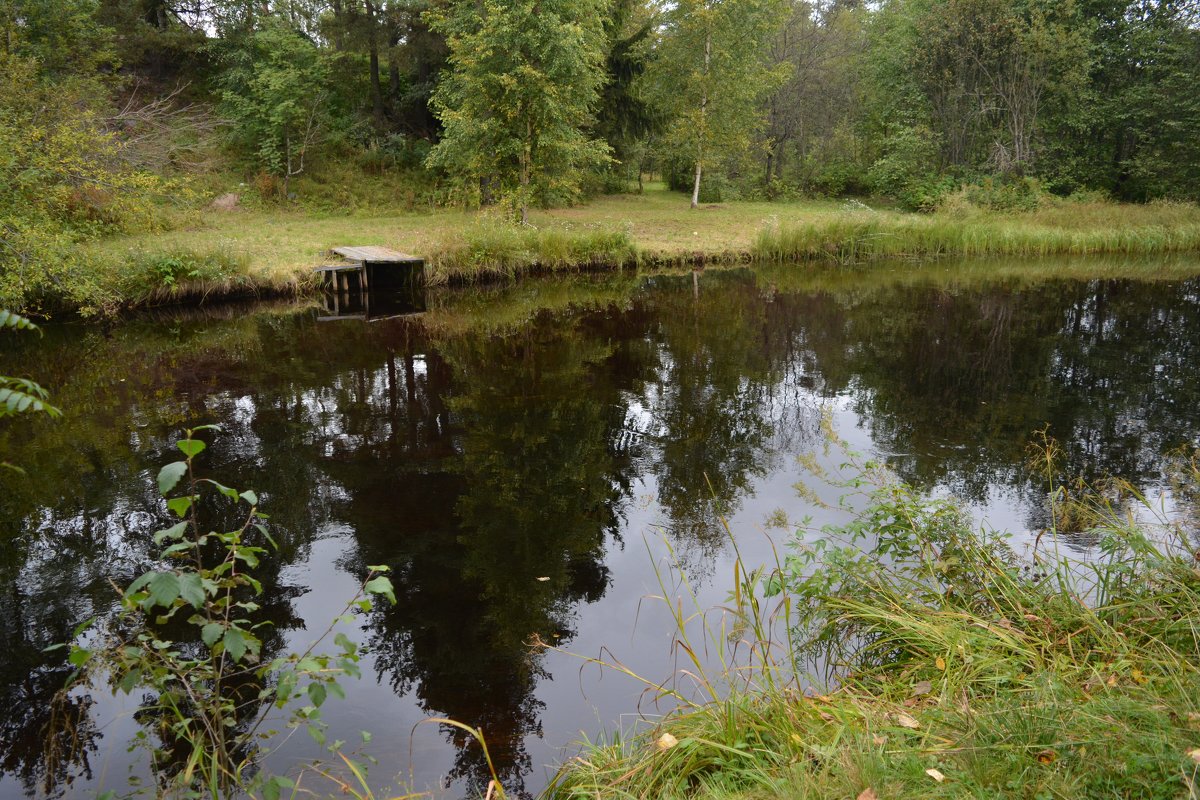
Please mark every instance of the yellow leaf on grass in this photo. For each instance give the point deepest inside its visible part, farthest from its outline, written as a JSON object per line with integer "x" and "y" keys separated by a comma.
{"x": 1195, "y": 755}
{"x": 940, "y": 663}
{"x": 666, "y": 741}
{"x": 905, "y": 721}
{"x": 1047, "y": 757}
{"x": 868, "y": 794}
{"x": 937, "y": 776}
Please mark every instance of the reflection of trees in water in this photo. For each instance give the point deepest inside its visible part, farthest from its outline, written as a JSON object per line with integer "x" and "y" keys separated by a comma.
{"x": 478, "y": 465}
{"x": 721, "y": 406}
{"x": 953, "y": 384}
{"x": 494, "y": 549}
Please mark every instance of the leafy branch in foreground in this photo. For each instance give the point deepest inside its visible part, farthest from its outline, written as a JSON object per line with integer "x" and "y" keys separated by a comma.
{"x": 21, "y": 395}
{"x": 190, "y": 636}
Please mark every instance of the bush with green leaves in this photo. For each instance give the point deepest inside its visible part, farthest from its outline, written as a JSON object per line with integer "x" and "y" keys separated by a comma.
{"x": 21, "y": 395}
{"x": 189, "y": 638}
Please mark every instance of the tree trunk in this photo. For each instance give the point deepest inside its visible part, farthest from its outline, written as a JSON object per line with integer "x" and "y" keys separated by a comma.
{"x": 376, "y": 88}
{"x": 526, "y": 170}
{"x": 703, "y": 114}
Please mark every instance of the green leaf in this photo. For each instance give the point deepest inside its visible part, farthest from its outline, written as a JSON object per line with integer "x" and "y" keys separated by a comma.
{"x": 211, "y": 632}
{"x": 177, "y": 549}
{"x": 250, "y": 497}
{"x": 191, "y": 447}
{"x": 176, "y": 531}
{"x": 9, "y": 319}
{"x": 381, "y": 585}
{"x": 180, "y": 506}
{"x": 343, "y": 641}
{"x": 316, "y": 693}
{"x": 235, "y": 643}
{"x": 170, "y": 475}
{"x": 79, "y": 656}
{"x": 232, "y": 494}
{"x": 163, "y": 588}
{"x": 191, "y": 589}
{"x": 129, "y": 680}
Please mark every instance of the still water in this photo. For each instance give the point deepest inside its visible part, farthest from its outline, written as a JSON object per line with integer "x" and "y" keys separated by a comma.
{"x": 528, "y": 460}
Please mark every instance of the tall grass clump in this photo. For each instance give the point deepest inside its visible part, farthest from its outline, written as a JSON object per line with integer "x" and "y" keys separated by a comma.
{"x": 929, "y": 659}
{"x": 1080, "y": 229}
{"x": 494, "y": 249}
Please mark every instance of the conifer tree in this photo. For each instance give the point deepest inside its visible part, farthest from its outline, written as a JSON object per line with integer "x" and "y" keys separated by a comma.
{"x": 523, "y": 81}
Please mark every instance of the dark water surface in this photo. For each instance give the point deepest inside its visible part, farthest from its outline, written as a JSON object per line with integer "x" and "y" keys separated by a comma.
{"x": 524, "y": 459}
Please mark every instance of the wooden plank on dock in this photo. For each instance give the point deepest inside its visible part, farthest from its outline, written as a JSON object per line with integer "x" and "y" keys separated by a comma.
{"x": 370, "y": 254}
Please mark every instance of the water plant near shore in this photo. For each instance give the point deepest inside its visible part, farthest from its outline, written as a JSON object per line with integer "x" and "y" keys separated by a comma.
{"x": 939, "y": 664}
{"x": 190, "y": 636}
{"x": 859, "y": 236}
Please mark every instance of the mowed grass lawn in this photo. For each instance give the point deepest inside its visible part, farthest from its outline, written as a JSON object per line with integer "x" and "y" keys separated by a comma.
{"x": 278, "y": 248}
{"x": 281, "y": 243}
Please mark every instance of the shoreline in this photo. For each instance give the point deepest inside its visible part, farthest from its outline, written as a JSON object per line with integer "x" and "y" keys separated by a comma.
{"x": 248, "y": 254}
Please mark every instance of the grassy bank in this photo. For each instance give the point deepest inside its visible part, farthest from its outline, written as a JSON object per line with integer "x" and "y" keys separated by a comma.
{"x": 1086, "y": 229}
{"x": 952, "y": 668}
{"x": 259, "y": 251}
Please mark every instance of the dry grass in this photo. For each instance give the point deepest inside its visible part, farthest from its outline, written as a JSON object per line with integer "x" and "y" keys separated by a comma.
{"x": 279, "y": 248}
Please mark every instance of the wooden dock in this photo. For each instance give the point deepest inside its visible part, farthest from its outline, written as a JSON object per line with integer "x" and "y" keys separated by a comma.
{"x": 369, "y": 267}
{"x": 366, "y": 271}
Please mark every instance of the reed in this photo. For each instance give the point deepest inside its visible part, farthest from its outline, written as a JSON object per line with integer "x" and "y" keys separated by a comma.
{"x": 866, "y": 236}
{"x": 491, "y": 249}
{"x": 939, "y": 664}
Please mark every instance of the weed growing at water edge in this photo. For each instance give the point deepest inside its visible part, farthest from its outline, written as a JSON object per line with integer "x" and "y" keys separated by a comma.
{"x": 189, "y": 637}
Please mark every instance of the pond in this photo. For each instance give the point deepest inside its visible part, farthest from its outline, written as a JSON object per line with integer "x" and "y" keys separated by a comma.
{"x": 530, "y": 461}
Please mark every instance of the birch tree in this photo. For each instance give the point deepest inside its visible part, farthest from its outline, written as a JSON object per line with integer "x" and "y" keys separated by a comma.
{"x": 709, "y": 74}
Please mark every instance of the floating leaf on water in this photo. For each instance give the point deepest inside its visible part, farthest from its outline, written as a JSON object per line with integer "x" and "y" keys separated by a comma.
{"x": 543, "y": 578}
{"x": 935, "y": 774}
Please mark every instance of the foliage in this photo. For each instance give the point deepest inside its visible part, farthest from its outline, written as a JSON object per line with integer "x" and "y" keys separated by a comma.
{"x": 62, "y": 179}
{"x": 524, "y": 79}
{"x": 275, "y": 89}
{"x": 904, "y": 170}
{"x": 21, "y": 395}
{"x": 187, "y": 638}
{"x": 707, "y": 76}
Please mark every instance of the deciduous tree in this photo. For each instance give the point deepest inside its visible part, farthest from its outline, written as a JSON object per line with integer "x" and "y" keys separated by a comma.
{"x": 523, "y": 83}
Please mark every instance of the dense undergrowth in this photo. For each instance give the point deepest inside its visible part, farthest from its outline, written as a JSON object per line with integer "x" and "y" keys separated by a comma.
{"x": 943, "y": 664}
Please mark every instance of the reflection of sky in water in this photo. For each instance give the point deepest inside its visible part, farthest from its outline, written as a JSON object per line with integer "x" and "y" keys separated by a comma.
{"x": 582, "y": 447}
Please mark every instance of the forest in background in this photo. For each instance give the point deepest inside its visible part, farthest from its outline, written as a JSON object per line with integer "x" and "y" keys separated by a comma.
{"x": 122, "y": 115}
